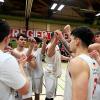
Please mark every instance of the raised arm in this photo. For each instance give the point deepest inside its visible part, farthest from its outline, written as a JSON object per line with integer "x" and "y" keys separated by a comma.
{"x": 31, "y": 40}
{"x": 44, "y": 43}
{"x": 51, "y": 48}
{"x": 60, "y": 36}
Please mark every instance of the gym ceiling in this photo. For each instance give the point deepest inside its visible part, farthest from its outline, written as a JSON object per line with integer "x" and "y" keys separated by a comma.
{"x": 82, "y": 10}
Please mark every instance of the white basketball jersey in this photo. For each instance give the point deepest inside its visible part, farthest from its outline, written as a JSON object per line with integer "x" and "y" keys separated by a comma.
{"x": 54, "y": 63}
{"x": 38, "y": 71}
{"x": 93, "y": 66}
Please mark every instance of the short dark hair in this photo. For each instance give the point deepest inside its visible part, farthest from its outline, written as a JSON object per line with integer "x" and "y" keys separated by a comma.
{"x": 4, "y": 30}
{"x": 97, "y": 33}
{"x": 21, "y": 34}
{"x": 38, "y": 40}
{"x": 85, "y": 34}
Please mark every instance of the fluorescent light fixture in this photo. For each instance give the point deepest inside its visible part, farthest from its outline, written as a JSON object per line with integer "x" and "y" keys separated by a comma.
{"x": 61, "y": 7}
{"x": 1, "y": 0}
{"x": 54, "y": 6}
{"x": 97, "y": 14}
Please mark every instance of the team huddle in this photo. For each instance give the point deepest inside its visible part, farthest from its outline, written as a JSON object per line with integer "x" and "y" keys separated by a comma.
{"x": 21, "y": 70}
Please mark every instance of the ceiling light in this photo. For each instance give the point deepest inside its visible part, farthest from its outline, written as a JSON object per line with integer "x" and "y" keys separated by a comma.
{"x": 60, "y": 7}
{"x": 98, "y": 14}
{"x": 54, "y": 6}
{"x": 1, "y": 0}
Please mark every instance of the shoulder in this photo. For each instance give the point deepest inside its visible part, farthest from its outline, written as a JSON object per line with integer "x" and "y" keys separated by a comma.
{"x": 77, "y": 66}
{"x": 6, "y": 56}
{"x": 11, "y": 59}
{"x": 9, "y": 63}
{"x": 77, "y": 61}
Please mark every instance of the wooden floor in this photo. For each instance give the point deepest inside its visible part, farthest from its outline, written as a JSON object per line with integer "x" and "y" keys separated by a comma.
{"x": 60, "y": 86}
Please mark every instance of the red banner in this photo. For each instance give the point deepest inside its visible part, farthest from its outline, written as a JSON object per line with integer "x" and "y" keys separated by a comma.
{"x": 30, "y": 33}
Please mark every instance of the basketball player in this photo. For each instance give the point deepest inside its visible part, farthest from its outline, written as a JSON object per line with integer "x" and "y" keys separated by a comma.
{"x": 12, "y": 76}
{"x": 53, "y": 68}
{"x": 81, "y": 74}
{"x": 94, "y": 50}
{"x": 37, "y": 73}
{"x": 31, "y": 63}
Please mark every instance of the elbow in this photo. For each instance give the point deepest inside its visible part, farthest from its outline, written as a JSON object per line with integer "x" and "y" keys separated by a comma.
{"x": 25, "y": 89}
{"x": 24, "y": 93}
{"x": 33, "y": 64}
{"x": 50, "y": 54}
